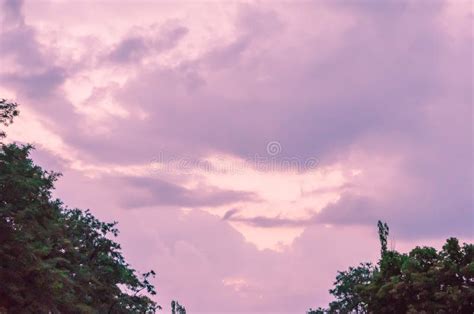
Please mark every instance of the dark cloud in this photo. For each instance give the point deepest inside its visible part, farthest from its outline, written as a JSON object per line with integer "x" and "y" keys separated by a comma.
{"x": 39, "y": 85}
{"x": 228, "y": 214}
{"x": 128, "y": 49}
{"x": 135, "y": 47}
{"x": 12, "y": 12}
{"x": 350, "y": 209}
{"x": 268, "y": 222}
{"x": 157, "y": 192}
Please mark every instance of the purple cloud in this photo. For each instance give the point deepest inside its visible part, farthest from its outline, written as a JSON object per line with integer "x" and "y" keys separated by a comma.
{"x": 162, "y": 193}
{"x": 135, "y": 47}
{"x": 384, "y": 88}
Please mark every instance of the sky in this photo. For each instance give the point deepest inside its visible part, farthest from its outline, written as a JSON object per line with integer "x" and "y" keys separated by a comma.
{"x": 248, "y": 148}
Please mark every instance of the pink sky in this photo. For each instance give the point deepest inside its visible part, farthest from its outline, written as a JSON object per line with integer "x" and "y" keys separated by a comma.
{"x": 247, "y": 149}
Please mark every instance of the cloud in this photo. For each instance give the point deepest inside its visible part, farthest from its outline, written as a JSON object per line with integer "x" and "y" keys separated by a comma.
{"x": 17, "y": 39}
{"x": 36, "y": 85}
{"x": 29, "y": 68}
{"x": 228, "y": 214}
{"x": 381, "y": 84}
{"x": 136, "y": 46}
{"x": 196, "y": 249}
{"x": 382, "y": 89}
{"x": 197, "y": 107}
{"x": 270, "y": 282}
{"x": 265, "y": 222}
{"x": 156, "y": 192}
{"x": 349, "y": 210}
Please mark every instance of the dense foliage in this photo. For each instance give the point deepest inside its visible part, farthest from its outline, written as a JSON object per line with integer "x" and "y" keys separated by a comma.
{"x": 423, "y": 281}
{"x": 54, "y": 259}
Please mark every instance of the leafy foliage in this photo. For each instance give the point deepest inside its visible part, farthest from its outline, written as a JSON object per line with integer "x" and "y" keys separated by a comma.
{"x": 54, "y": 259}
{"x": 8, "y": 110}
{"x": 423, "y": 281}
{"x": 349, "y": 286}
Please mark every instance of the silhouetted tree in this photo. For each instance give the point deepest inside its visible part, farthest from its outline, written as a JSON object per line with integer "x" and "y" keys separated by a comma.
{"x": 383, "y": 236}
{"x": 177, "y": 308}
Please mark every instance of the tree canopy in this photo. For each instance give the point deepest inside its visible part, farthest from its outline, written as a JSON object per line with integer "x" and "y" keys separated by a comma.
{"x": 54, "y": 259}
{"x": 422, "y": 281}
{"x": 8, "y": 110}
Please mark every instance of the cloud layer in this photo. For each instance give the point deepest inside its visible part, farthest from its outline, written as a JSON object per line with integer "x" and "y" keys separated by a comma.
{"x": 377, "y": 95}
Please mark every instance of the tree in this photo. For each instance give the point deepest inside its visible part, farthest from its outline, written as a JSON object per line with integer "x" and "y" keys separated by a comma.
{"x": 349, "y": 289}
{"x": 177, "y": 308}
{"x": 423, "y": 281}
{"x": 54, "y": 259}
{"x": 383, "y": 236}
{"x": 8, "y": 110}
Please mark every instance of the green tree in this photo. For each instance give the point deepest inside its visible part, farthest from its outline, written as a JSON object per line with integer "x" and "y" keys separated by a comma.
{"x": 54, "y": 259}
{"x": 8, "y": 110}
{"x": 349, "y": 289}
{"x": 423, "y": 281}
